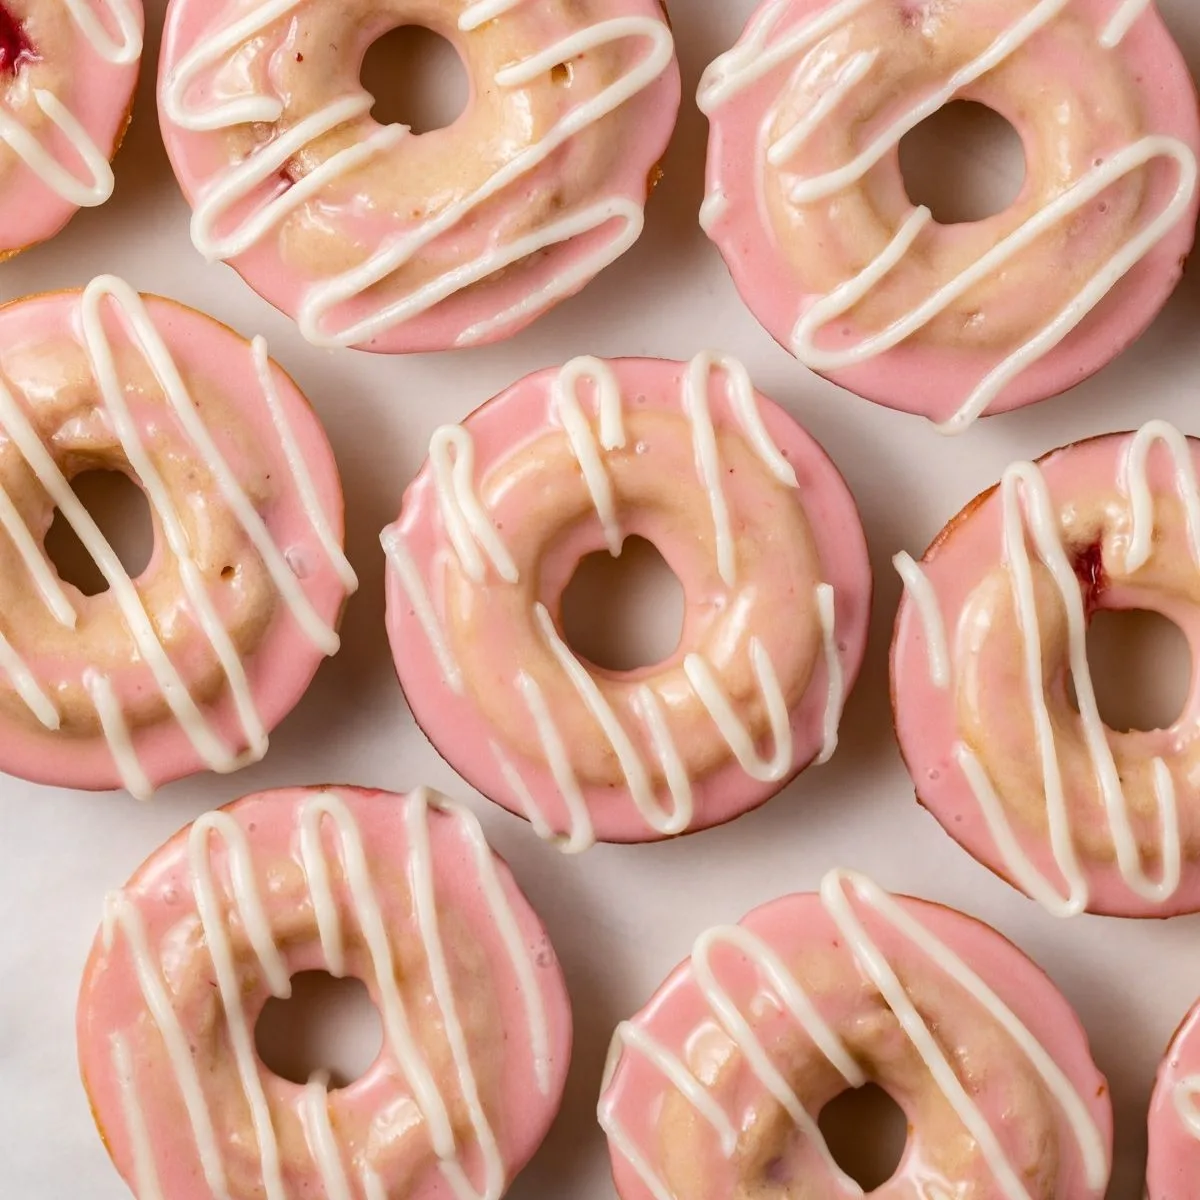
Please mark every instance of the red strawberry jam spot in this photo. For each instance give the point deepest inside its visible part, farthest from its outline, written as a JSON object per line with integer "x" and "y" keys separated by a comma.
{"x": 1089, "y": 567}
{"x": 15, "y": 48}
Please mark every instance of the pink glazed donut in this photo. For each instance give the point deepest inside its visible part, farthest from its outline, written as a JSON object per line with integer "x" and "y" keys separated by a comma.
{"x": 190, "y": 665}
{"x": 807, "y": 202}
{"x": 400, "y": 892}
{"x": 750, "y": 515}
{"x": 374, "y": 237}
{"x": 716, "y": 1087}
{"x": 989, "y": 637}
{"x": 68, "y": 69}
{"x": 1174, "y": 1163}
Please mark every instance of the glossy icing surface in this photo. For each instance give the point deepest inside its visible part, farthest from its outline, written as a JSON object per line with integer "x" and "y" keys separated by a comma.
{"x": 1174, "y": 1162}
{"x": 750, "y": 515}
{"x": 400, "y": 892}
{"x": 375, "y": 237}
{"x": 67, "y": 75}
{"x": 193, "y": 663}
{"x": 808, "y": 205}
{"x": 991, "y": 631}
{"x": 715, "y": 1088}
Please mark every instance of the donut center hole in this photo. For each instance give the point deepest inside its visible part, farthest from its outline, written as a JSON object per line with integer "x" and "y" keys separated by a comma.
{"x": 965, "y": 163}
{"x": 326, "y": 1024}
{"x": 624, "y": 613}
{"x": 120, "y": 508}
{"x": 867, "y": 1132}
{"x": 416, "y": 78}
{"x": 1141, "y": 667}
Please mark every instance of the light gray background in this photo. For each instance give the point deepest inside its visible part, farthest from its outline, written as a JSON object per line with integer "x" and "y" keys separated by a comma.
{"x": 620, "y": 918}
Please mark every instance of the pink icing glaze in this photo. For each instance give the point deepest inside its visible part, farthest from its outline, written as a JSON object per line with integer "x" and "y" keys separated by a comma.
{"x": 96, "y": 91}
{"x": 1174, "y": 1163}
{"x": 642, "y": 126}
{"x": 501, "y": 429}
{"x": 1081, "y": 478}
{"x": 801, "y": 932}
{"x": 933, "y": 380}
{"x": 284, "y": 660}
{"x": 111, "y": 1004}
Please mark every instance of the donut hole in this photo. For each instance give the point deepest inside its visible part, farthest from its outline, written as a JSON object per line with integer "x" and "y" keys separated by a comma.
{"x": 624, "y": 613}
{"x": 120, "y": 508}
{"x": 326, "y": 1025}
{"x": 867, "y": 1133}
{"x": 416, "y": 78}
{"x": 1141, "y": 667}
{"x": 965, "y": 163}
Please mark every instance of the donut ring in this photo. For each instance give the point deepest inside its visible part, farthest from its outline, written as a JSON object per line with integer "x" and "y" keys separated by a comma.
{"x": 749, "y": 513}
{"x": 68, "y": 69}
{"x": 807, "y": 202}
{"x": 1077, "y": 815}
{"x": 189, "y": 666}
{"x": 715, "y": 1088}
{"x": 1174, "y": 1161}
{"x": 372, "y": 237}
{"x": 402, "y": 893}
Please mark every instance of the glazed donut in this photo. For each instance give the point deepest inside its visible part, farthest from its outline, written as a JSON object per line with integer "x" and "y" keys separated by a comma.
{"x": 716, "y": 1087}
{"x": 373, "y": 237}
{"x": 192, "y": 664}
{"x": 990, "y": 635}
{"x": 808, "y": 205}
{"x": 1174, "y": 1162}
{"x": 745, "y": 508}
{"x": 400, "y": 892}
{"x": 68, "y": 69}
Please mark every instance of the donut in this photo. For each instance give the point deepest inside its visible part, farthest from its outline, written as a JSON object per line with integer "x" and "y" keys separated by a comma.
{"x": 1174, "y": 1161}
{"x": 744, "y": 507}
{"x": 400, "y": 892}
{"x": 990, "y": 634}
{"x": 715, "y": 1088}
{"x": 68, "y": 69}
{"x": 374, "y": 237}
{"x": 191, "y": 664}
{"x": 807, "y": 202}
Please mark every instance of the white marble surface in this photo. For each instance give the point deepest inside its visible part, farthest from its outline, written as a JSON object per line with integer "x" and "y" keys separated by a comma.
{"x": 620, "y": 917}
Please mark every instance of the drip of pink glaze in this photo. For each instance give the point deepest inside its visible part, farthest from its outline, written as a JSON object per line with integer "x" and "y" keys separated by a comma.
{"x": 15, "y": 47}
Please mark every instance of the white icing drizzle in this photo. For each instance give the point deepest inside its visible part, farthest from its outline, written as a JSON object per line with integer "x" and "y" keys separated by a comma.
{"x": 126, "y": 17}
{"x": 1038, "y": 515}
{"x": 248, "y": 901}
{"x": 145, "y": 1171}
{"x": 869, "y": 959}
{"x": 757, "y": 55}
{"x": 737, "y": 737}
{"x": 116, "y": 734}
{"x": 920, "y": 590}
{"x": 476, "y": 541}
{"x": 467, "y": 525}
{"x": 26, "y": 686}
{"x": 216, "y": 936}
{"x": 484, "y": 11}
{"x": 582, "y": 835}
{"x": 238, "y": 182}
{"x": 322, "y": 1145}
{"x": 409, "y": 575}
{"x": 1185, "y": 1095}
{"x": 565, "y": 400}
{"x": 714, "y": 207}
{"x": 1136, "y": 485}
{"x": 292, "y": 453}
{"x": 146, "y": 337}
{"x": 1123, "y": 20}
{"x": 88, "y": 193}
{"x": 827, "y": 610}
